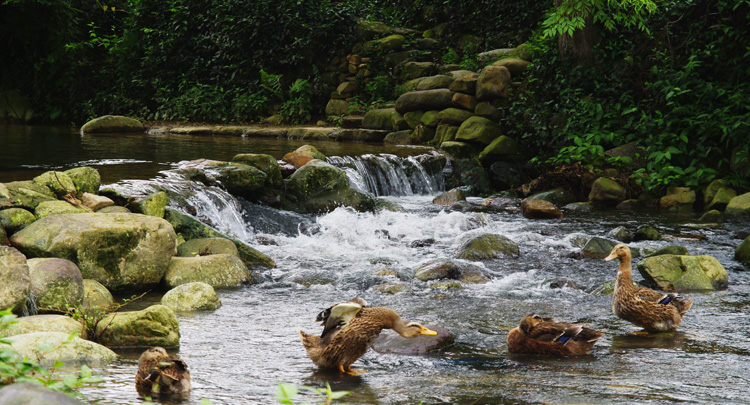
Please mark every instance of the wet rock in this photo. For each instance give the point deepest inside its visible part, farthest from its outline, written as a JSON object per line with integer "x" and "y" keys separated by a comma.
{"x": 302, "y": 155}
{"x": 57, "y": 207}
{"x": 435, "y": 82}
{"x": 438, "y": 270}
{"x": 712, "y": 216}
{"x": 502, "y": 203}
{"x": 195, "y": 296}
{"x": 26, "y": 393}
{"x": 425, "y": 100}
{"x": 447, "y": 285}
{"x": 391, "y": 342}
{"x": 384, "y": 119}
{"x": 423, "y": 134}
{"x": 558, "y": 196}
{"x": 59, "y": 182}
{"x": 505, "y": 175}
{"x": 598, "y": 247}
{"x": 391, "y": 288}
{"x": 220, "y": 270}
{"x": 96, "y": 202}
{"x": 675, "y": 272}
{"x": 515, "y": 66}
{"x": 627, "y": 205}
{"x": 742, "y": 253}
{"x": 153, "y": 204}
{"x": 422, "y": 243}
{"x": 450, "y": 197}
{"x": 207, "y": 246}
{"x": 488, "y": 246}
{"x": 16, "y": 279}
{"x": 557, "y": 284}
{"x": 320, "y": 187}
{"x": 739, "y": 205}
{"x": 678, "y": 199}
{"x": 154, "y": 326}
{"x": 670, "y": 250}
{"x": 26, "y": 194}
{"x": 358, "y": 135}
{"x": 501, "y": 148}
{"x": 579, "y": 207}
{"x": 646, "y": 232}
{"x": 607, "y": 288}
{"x": 492, "y": 82}
{"x": 265, "y": 163}
{"x": 191, "y": 228}
{"x": 445, "y": 133}
{"x": 241, "y": 179}
{"x": 56, "y": 283}
{"x": 539, "y": 209}
{"x": 112, "y": 123}
{"x": 14, "y": 219}
{"x": 478, "y": 130}
{"x": 75, "y": 350}
{"x": 96, "y": 296}
{"x": 606, "y": 191}
{"x": 621, "y": 234}
{"x": 487, "y": 110}
{"x": 400, "y": 138}
{"x": 44, "y": 323}
{"x": 121, "y": 251}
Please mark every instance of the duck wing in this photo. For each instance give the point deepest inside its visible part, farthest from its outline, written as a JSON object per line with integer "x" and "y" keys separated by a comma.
{"x": 337, "y": 316}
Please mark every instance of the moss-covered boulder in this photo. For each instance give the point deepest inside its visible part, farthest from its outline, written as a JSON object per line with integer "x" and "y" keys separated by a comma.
{"x": 321, "y": 187}
{"x": 674, "y": 272}
{"x": 465, "y": 101}
{"x": 114, "y": 209}
{"x": 431, "y": 118}
{"x": 435, "y": 82}
{"x": 26, "y": 194}
{"x": 191, "y": 228}
{"x": 400, "y": 137}
{"x": 515, "y": 66}
{"x": 385, "y": 119}
{"x": 44, "y": 323}
{"x": 265, "y": 163}
{"x": 501, "y": 148}
{"x": 646, "y": 232}
{"x": 85, "y": 179}
{"x": 670, "y": 250}
{"x": 558, "y": 196}
{"x": 56, "y": 283}
{"x": 459, "y": 150}
{"x": 384, "y": 45}
{"x": 678, "y": 199}
{"x": 207, "y": 246}
{"x": 96, "y": 295}
{"x": 600, "y": 248}
{"x": 488, "y": 246}
{"x": 742, "y": 253}
{"x": 34, "y": 346}
{"x": 302, "y": 155}
{"x": 156, "y": 325}
{"x": 492, "y": 83}
{"x": 466, "y": 84}
{"x": 425, "y": 100}
{"x": 621, "y": 234}
{"x": 720, "y": 198}
{"x": 606, "y": 191}
{"x": 220, "y": 270}
{"x": 121, "y": 251}
{"x": 241, "y": 179}
{"x": 152, "y": 204}
{"x": 712, "y": 216}
{"x": 413, "y": 118}
{"x": 14, "y": 290}
{"x": 438, "y": 270}
{"x": 27, "y": 393}
{"x": 739, "y": 205}
{"x": 14, "y": 219}
{"x": 112, "y": 123}
{"x": 56, "y": 207}
{"x": 478, "y": 130}
{"x": 539, "y": 209}
{"x": 487, "y": 110}
{"x": 413, "y": 70}
{"x": 445, "y": 133}
{"x": 59, "y": 182}
{"x": 450, "y": 197}
{"x": 454, "y": 116}
{"x": 197, "y": 296}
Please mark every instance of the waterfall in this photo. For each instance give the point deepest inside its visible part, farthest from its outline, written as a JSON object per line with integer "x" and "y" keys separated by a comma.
{"x": 391, "y": 175}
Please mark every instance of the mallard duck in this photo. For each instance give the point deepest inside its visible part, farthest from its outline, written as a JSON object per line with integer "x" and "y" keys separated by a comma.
{"x": 160, "y": 373}
{"x": 537, "y": 335}
{"x": 349, "y": 330}
{"x": 651, "y": 310}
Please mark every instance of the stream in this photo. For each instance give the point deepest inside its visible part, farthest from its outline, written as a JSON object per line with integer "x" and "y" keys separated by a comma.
{"x": 239, "y": 353}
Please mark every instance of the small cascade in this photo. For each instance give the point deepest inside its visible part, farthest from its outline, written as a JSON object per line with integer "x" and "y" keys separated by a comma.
{"x": 30, "y": 308}
{"x": 391, "y": 175}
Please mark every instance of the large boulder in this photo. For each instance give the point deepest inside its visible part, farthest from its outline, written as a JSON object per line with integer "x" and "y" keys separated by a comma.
{"x": 96, "y": 296}
{"x": 492, "y": 82}
{"x": 14, "y": 290}
{"x": 44, "y": 323}
{"x": 678, "y": 199}
{"x": 197, "y": 296}
{"x": 207, "y": 246}
{"x": 425, "y": 100}
{"x": 466, "y": 84}
{"x": 56, "y": 283}
{"x": 121, "y": 251}
{"x": 321, "y": 187}
{"x": 478, "y": 130}
{"x": 26, "y": 194}
{"x": 220, "y": 270}
{"x": 14, "y": 219}
{"x": 59, "y": 182}
{"x": 742, "y": 253}
{"x": 26, "y": 393}
{"x": 302, "y": 155}
{"x": 413, "y": 70}
{"x": 34, "y": 345}
{"x": 673, "y": 272}
{"x": 56, "y": 207}
{"x": 85, "y": 179}
{"x": 191, "y": 228}
{"x": 487, "y": 246}
{"x": 265, "y": 163}
{"x": 449, "y": 197}
{"x": 384, "y": 119}
{"x": 539, "y": 209}
{"x": 153, "y": 204}
{"x": 739, "y": 205}
{"x": 501, "y": 148}
{"x": 454, "y": 116}
{"x": 156, "y": 325}
{"x": 515, "y": 66}
{"x": 606, "y": 191}
{"x": 435, "y": 82}
{"x": 717, "y": 195}
{"x": 112, "y": 123}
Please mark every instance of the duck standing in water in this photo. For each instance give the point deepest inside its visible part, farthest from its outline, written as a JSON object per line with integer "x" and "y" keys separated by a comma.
{"x": 651, "y": 310}
{"x": 160, "y": 373}
{"x": 350, "y": 328}
{"x": 537, "y": 335}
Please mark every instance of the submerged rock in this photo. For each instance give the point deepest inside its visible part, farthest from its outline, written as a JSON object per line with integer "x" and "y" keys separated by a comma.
{"x": 154, "y": 326}
{"x": 195, "y": 296}
{"x": 676, "y": 272}
{"x": 321, "y": 187}
{"x": 742, "y": 253}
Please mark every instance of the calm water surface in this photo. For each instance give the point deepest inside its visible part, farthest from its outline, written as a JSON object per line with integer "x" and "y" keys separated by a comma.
{"x": 240, "y": 352}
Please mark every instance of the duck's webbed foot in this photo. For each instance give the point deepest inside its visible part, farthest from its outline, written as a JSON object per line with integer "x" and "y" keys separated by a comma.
{"x": 351, "y": 371}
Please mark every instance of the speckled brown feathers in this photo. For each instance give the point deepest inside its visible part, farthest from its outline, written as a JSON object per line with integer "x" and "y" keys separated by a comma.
{"x": 341, "y": 346}
{"x": 652, "y": 310}
{"x": 537, "y": 335}
{"x": 160, "y": 373}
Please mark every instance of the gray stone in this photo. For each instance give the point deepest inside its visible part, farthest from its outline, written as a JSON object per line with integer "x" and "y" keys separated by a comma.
{"x": 197, "y": 296}
{"x": 14, "y": 290}
{"x": 44, "y": 323}
{"x": 219, "y": 270}
{"x": 558, "y": 196}
{"x": 76, "y": 350}
{"x": 622, "y": 234}
{"x": 515, "y": 66}
{"x": 391, "y": 342}
{"x": 96, "y": 296}
{"x": 56, "y": 283}
{"x": 466, "y": 84}
{"x": 26, "y": 393}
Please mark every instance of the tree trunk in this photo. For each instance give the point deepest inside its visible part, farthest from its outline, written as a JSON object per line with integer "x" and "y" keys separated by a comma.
{"x": 579, "y": 46}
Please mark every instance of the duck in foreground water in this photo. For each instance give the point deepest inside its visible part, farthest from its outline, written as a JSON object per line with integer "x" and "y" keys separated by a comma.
{"x": 652, "y": 310}
{"x": 537, "y": 335}
{"x": 349, "y": 330}
{"x": 160, "y": 373}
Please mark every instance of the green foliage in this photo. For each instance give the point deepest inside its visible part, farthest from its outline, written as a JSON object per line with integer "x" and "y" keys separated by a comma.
{"x": 298, "y": 106}
{"x": 286, "y": 393}
{"x": 14, "y": 369}
{"x": 572, "y": 15}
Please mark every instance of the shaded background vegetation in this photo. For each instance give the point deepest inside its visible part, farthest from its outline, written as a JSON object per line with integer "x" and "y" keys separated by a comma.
{"x": 679, "y": 88}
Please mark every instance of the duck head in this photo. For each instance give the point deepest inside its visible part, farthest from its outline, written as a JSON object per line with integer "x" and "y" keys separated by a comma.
{"x": 413, "y": 329}
{"x": 529, "y": 321}
{"x": 620, "y": 251}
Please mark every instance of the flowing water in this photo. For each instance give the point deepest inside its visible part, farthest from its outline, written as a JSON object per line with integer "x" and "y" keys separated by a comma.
{"x": 240, "y": 352}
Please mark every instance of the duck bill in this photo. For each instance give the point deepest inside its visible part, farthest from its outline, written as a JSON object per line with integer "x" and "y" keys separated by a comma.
{"x": 425, "y": 331}
{"x": 612, "y": 256}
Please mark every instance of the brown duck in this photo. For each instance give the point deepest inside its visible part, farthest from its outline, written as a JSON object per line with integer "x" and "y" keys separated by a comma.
{"x": 160, "y": 373}
{"x": 350, "y": 328}
{"x": 537, "y": 335}
{"x": 652, "y": 310}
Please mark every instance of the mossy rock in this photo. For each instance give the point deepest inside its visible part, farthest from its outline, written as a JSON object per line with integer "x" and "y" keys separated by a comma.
{"x": 27, "y": 194}
{"x": 438, "y": 270}
{"x": 112, "y": 123}
{"x": 156, "y": 325}
{"x": 425, "y": 100}
{"x": 478, "y": 130}
{"x": 431, "y": 118}
{"x": 59, "y": 182}
{"x": 488, "y": 246}
{"x": 558, "y": 196}
{"x": 207, "y": 246}
{"x": 44, "y": 323}
{"x": 220, "y": 270}
{"x": 459, "y": 150}
{"x": 742, "y": 253}
{"x": 606, "y": 191}
{"x": 153, "y": 205}
{"x": 454, "y": 116}
{"x": 392, "y": 288}
{"x": 413, "y": 118}
{"x": 492, "y": 83}
{"x": 75, "y": 350}
{"x": 502, "y": 147}
{"x": 14, "y": 290}
{"x": 515, "y": 66}
{"x": 450, "y": 197}
{"x": 57, "y": 207}
{"x": 56, "y": 283}
{"x": 445, "y": 133}
{"x": 197, "y": 296}
{"x": 646, "y": 232}
{"x": 435, "y": 82}
{"x": 96, "y": 295}
{"x": 384, "y": 45}
{"x": 739, "y": 205}
{"x": 670, "y": 250}
{"x": 677, "y": 273}
{"x": 15, "y": 219}
{"x": 386, "y": 119}
{"x": 86, "y": 179}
